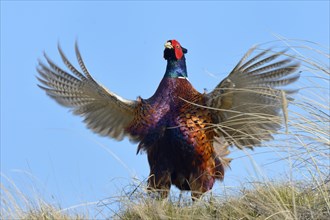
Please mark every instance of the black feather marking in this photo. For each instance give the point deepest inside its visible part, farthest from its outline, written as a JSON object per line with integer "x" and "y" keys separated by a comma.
{"x": 58, "y": 80}
{"x": 276, "y": 83}
{"x": 263, "y": 61}
{"x": 254, "y": 58}
{"x": 270, "y": 66}
{"x": 69, "y": 65}
{"x": 81, "y": 62}
{"x": 246, "y": 55}
{"x": 56, "y": 69}
{"x": 276, "y": 74}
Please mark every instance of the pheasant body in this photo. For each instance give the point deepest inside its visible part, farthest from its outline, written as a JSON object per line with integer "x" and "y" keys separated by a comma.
{"x": 175, "y": 135}
{"x": 186, "y": 134}
{"x": 173, "y": 132}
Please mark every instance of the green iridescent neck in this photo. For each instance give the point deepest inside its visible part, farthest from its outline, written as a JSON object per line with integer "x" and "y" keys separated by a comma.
{"x": 176, "y": 68}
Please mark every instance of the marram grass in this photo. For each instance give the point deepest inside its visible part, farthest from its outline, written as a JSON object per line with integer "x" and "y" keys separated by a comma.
{"x": 264, "y": 201}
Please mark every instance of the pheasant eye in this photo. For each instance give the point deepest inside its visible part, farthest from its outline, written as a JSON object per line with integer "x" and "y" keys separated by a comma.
{"x": 177, "y": 46}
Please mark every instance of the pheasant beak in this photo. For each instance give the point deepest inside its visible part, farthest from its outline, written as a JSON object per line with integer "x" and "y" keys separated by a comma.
{"x": 168, "y": 45}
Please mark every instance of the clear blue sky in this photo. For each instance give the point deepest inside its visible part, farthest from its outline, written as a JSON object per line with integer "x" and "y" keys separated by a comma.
{"x": 122, "y": 45}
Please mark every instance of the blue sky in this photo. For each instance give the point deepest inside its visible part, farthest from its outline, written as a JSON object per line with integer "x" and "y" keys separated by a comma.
{"x": 45, "y": 146}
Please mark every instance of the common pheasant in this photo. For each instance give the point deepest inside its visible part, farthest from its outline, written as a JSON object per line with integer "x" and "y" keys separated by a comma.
{"x": 185, "y": 133}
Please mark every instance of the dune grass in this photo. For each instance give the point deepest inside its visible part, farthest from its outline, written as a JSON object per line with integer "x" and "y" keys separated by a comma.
{"x": 264, "y": 201}
{"x": 304, "y": 194}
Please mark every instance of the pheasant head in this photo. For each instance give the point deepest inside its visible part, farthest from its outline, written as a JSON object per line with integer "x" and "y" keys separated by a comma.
{"x": 176, "y": 62}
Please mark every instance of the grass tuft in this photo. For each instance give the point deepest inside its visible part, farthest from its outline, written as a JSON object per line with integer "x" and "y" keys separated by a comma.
{"x": 261, "y": 201}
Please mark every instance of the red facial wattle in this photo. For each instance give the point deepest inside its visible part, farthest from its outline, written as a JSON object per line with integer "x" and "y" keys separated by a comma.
{"x": 177, "y": 49}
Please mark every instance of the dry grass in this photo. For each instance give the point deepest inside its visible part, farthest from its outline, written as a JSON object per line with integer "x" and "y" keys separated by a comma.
{"x": 264, "y": 201}
{"x": 305, "y": 146}
{"x": 15, "y": 204}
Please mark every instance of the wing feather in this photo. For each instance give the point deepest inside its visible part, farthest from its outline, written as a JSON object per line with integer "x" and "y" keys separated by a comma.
{"x": 104, "y": 112}
{"x": 249, "y": 100}
{"x": 261, "y": 62}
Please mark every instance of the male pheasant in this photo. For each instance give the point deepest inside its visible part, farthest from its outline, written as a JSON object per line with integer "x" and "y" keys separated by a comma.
{"x": 185, "y": 133}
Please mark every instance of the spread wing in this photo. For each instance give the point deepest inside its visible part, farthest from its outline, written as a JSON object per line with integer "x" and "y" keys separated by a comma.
{"x": 247, "y": 103}
{"x": 104, "y": 112}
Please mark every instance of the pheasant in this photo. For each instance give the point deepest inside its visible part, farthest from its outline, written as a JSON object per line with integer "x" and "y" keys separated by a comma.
{"x": 185, "y": 134}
